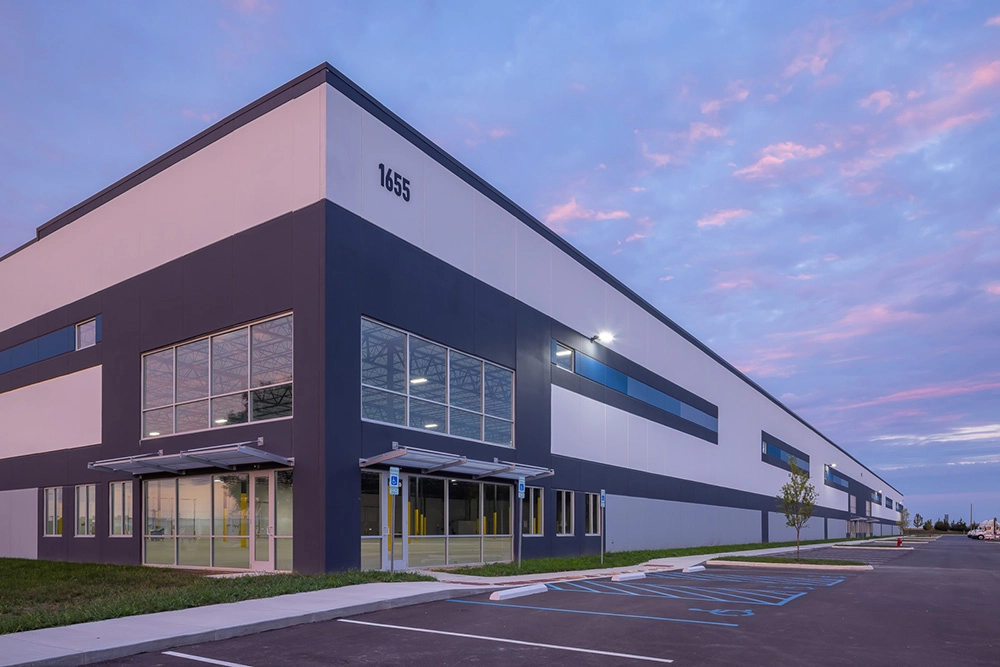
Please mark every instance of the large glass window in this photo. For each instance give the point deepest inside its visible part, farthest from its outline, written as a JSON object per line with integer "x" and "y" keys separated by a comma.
{"x": 206, "y": 520}
{"x": 120, "y": 508}
{"x": 531, "y": 512}
{"x": 229, "y": 378}
{"x": 86, "y": 510}
{"x": 409, "y": 381}
{"x": 592, "y": 514}
{"x": 564, "y": 512}
{"x": 53, "y": 511}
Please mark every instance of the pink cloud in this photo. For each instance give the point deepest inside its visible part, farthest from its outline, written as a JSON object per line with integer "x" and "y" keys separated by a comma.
{"x": 993, "y": 289}
{"x": 737, "y": 93}
{"x": 993, "y": 21}
{"x": 767, "y": 363}
{"x": 637, "y": 188}
{"x": 859, "y": 321}
{"x": 579, "y": 87}
{"x": 984, "y": 76}
{"x": 498, "y": 132}
{"x": 659, "y": 159}
{"x": 914, "y": 94}
{"x": 734, "y": 284}
{"x": 957, "y": 388}
{"x": 815, "y": 59}
{"x": 720, "y": 218}
{"x": 699, "y": 131}
{"x": 561, "y": 214}
{"x": 711, "y": 107}
{"x": 776, "y": 155}
{"x": 666, "y": 279}
{"x": 880, "y": 99}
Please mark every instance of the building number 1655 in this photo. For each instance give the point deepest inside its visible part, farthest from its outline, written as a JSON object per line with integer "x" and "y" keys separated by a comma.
{"x": 394, "y": 182}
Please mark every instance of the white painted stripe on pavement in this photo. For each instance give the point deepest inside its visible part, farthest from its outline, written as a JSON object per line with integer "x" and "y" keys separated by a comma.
{"x": 509, "y": 641}
{"x": 210, "y": 661}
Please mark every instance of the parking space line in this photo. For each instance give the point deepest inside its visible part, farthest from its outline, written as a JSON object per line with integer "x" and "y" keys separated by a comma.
{"x": 557, "y": 647}
{"x": 198, "y": 658}
{"x": 597, "y": 613}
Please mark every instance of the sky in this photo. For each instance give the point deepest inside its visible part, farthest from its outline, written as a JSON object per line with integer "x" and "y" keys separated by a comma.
{"x": 810, "y": 188}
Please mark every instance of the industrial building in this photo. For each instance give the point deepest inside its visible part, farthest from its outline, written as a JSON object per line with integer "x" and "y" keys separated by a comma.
{"x": 217, "y": 361}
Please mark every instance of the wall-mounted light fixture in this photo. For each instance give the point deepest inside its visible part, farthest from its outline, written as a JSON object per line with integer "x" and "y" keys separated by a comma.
{"x": 602, "y": 337}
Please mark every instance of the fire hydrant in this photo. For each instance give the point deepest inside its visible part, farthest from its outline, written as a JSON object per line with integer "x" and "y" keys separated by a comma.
{"x": 899, "y": 541}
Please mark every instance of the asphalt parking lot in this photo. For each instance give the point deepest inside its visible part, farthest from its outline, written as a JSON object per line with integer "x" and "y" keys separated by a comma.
{"x": 936, "y": 605}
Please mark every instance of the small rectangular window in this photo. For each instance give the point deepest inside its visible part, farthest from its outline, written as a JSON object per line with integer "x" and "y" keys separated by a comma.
{"x": 564, "y": 512}
{"x": 86, "y": 334}
{"x": 53, "y": 511}
{"x": 86, "y": 510}
{"x": 592, "y": 514}
{"x": 531, "y": 511}
{"x": 120, "y": 504}
{"x": 562, "y": 356}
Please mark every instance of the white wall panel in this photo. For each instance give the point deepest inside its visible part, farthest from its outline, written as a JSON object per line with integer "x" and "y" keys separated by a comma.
{"x": 636, "y": 446}
{"x": 270, "y": 166}
{"x": 343, "y": 150}
{"x": 534, "y": 269}
{"x": 836, "y": 528}
{"x": 19, "y": 523}
{"x": 380, "y": 145}
{"x": 60, "y": 413}
{"x": 778, "y": 531}
{"x": 449, "y": 218}
{"x": 577, "y": 295}
{"x": 616, "y": 437}
{"x": 646, "y": 523}
{"x": 495, "y": 245}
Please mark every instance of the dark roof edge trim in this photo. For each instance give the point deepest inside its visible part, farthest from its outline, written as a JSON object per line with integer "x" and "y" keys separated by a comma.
{"x": 326, "y": 73}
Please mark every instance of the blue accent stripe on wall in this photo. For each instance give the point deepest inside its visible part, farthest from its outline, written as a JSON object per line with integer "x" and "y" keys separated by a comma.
{"x": 603, "y": 374}
{"x": 41, "y": 348}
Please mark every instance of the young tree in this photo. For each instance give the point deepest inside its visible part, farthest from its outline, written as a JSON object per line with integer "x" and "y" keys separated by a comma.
{"x": 918, "y": 521}
{"x": 904, "y": 520}
{"x": 928, "y": 525}
{"x": 797, "y": 500}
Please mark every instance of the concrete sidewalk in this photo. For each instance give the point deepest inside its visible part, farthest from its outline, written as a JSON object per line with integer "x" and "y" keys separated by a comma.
{"x": 87, "y": 643}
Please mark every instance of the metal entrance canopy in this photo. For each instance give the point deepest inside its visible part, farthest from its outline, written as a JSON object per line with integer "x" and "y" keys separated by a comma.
{"x": 227, "y": 457}
{"x": 428, "y": 461}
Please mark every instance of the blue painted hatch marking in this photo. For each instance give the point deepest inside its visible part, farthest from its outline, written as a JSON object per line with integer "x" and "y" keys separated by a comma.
{"x": 777, "y": 590}
{"x": 594, "y": 613}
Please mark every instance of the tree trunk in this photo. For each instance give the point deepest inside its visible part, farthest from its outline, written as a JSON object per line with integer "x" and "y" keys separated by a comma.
{"x": 797, "y": 530}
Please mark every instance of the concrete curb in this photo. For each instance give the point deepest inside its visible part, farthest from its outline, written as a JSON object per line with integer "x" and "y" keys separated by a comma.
{"x": 794, "y": 566}
{"x": 176, "y": 639}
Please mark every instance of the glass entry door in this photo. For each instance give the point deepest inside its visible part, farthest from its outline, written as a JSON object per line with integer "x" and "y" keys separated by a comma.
{"x": 261, "y": 526}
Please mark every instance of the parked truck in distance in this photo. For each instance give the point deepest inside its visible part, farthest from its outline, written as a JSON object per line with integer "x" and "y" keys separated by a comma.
{"x": 986, "y": 530}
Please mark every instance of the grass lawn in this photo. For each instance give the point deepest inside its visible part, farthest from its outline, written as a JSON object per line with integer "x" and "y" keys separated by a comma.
{"x": 779, "y": 559}
{"x": 40, "y": 594}
{"x": 615, "y": 559}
